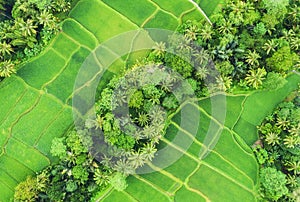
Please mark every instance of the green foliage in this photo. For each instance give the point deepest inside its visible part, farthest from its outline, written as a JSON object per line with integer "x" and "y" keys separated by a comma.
{"x": 272, "y": 183}
{"x": 274, "y": 81}
{"x": 279, "y": 157}
{"x": 28, "y": 29}
{"x": 26, "y": 191}
{"x": 255, "y": 77}
{"x": 260, "y": 29}
{"x": 282, "y": 60}
{"x": 118, "y": 181}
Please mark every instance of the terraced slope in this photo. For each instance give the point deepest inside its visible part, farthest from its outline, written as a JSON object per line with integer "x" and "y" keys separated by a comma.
{"x": 218, "y": 165}
{"x": 36, "y": 103}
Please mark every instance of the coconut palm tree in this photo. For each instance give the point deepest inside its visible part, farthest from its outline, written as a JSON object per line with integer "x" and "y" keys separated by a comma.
{"x": 124, "y": 166}
{"x": 102, "y": 178}
{"x": 5, "y": 49}
{"x": 255, "y": 77}
{"x": 137, "y": 159}
{"x": 252, "y": 58}
{"x": 270, "y": 46}
{"x": 45, "y": 18}
{"x": 149, "y": 150}
{"x": 27, "y": 28}
{"x": 272, "y": 138}
{"x": 201, "y": 57}
{"x": 290, "y": 141}
{"x": 206, "y": 32}
{"x": 159, "y": 49}
{"x": 192, "y": 32}
{"x": 7, "y": 68}
{"x": 295, "y": 43}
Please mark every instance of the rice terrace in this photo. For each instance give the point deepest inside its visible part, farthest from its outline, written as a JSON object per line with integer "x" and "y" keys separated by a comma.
{"x": 150, "y": 100}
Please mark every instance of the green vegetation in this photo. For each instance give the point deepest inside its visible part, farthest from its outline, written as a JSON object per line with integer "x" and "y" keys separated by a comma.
{"x": 278, "y": 151}
{"x": 175, "y": 122}
{"x": 45, "y": 84}
{"x": 26, "y": 27}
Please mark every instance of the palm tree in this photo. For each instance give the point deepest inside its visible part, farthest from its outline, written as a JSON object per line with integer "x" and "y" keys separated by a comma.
{"x": 295, "y": 43}
{"x": 202, "y": 73}
{"x": 290, "y": 141}
{"x": 27, "y": 28}
{"x": 143, "y": 119}
{"x": 206, "y": 32}
{"x": 255, "y": 77}
{"x": 272, "y": 138}
{"x": 46, "y": 19}
{"x": 101, "y": 178}
{"x": 252, "y": 57}
{"x": 124, "y": 166}
{"x": 5, "y": 49}
{"x": 282, "y": 123}
{"x": 226, "y": 27}
{"x": 159, "y": 49}
{"x": 191, "y": 33}
{"x": 149, "y": 150}
{"x": 201, "y": 57}
{"x": 270, "y": 46}
{"x": 137, "y": 159}
{"x": 7, "y": 68}
{"x": 294, "y": 167}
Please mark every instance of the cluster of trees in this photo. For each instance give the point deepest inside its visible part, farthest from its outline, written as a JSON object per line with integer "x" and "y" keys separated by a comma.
{"x": 26, "y": 27}
{"x": 279, "y": 151}
{"x": 251, "y": 41}
{"x": 76, "y": 177}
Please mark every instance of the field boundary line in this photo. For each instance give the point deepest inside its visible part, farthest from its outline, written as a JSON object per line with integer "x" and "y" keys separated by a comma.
{"x": 92, "y": 35}
{"x": 105, "y": 194}
{"x": 165, "y": 173}
{"x": 129, "y": 195}
{"x": 59, "y": 54}
{"x": 47, "y": 126}
{"x": 189, "y": 188}
{"x": 15, "y": 105}
{"x": 18, "y": 119}
{"x": 201, "y": 11}
{"x": 208, "y": 165}
{"x": 60, "y": 71}
{"x": 5, "y": 184}
{"x": 150, "y": 17}
{"x": 154, "y": 186}
{"x": 215, "y": 152}
{"x": 120, "y": 14}
{"x": 242, "y": 111}
{"x": 76, "y": 42}
{"x": 164, "y": 10}
{"x": 185, "y": 13}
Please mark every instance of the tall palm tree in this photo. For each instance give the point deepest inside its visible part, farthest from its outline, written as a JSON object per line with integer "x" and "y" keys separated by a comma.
{"x": 192, "y": 33}
{"x": 206, "y": 32}
{"x": 7, "y": 68}
{"x": 149, "y": 150}
{"x": 5, "y": 49}
{"x": 270, "y": 46}
{"x": 137, "y": 159}
{"x": 252, "y": 57}
{"x": 27, "y": 28}
{"x": 255, "y": 77}
{"x": 159, "y": 49}
{"x": 46, "y": 19}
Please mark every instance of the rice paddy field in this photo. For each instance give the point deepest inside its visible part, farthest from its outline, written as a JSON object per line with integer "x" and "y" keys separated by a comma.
{"x": 213, "y": 157}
